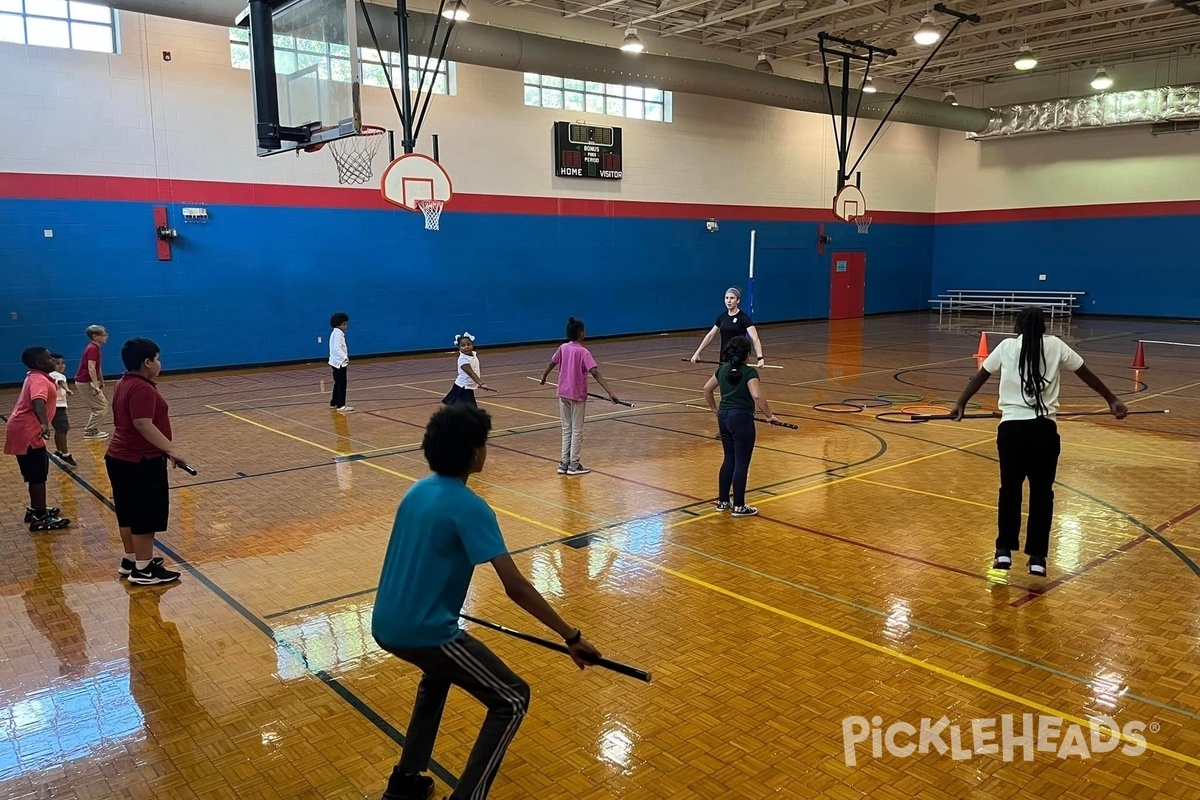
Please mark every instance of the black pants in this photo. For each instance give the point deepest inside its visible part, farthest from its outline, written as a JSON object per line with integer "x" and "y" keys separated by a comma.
{"x": 736, "y": 426}
{"x": 1028, "y": 449}
{"x": 339, "y": 387}
{"x": 469, "y": 664}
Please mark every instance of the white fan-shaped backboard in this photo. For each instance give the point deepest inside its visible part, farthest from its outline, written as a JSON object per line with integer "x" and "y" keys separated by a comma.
{"x": 849, "y": 203}
{"x": 414, "y": 177}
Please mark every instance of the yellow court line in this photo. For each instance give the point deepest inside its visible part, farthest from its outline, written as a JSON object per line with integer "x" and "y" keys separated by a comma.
{"x": 879, "y": 371}
{"x": 1164, "y": 393}
{"x": 927, "y": 494}
{"x": 275, "y": 430}
{"x": 907, "y": 659}
{"x": 1133, "y": 452}
{"x": 904, "y": 463}
{"x": 481, "y": 402}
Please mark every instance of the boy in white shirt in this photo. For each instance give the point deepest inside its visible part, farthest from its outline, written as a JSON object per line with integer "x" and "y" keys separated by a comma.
{"x": 339, "y": 360}
{"x": 60, "y": 422}
{"x": 1027, "y": 439}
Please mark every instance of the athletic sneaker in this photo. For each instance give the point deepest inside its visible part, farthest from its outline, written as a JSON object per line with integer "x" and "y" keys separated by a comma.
{"x": 95, "y": 434}
{"x": 128, "y": 566}
{"x": 45, "y": 521}
{"x": 744, "y": 511}
{"x": 1037, "y": 566}
{"x": 408, "y": 787}
{"x": 563, "y": 467}
{"x": 723, "y": 505}
{"x": 577, "y": 469}
{"x": 66, "y": 458}
{"x": 345, "y": 409}
{"x": 152, "y": 574}
{"x": 30, "y": 513}
{"x": 1003, "y": 560}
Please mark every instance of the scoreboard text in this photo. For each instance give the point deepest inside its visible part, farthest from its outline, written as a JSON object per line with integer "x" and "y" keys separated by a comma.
{"x": 587, "y": 151}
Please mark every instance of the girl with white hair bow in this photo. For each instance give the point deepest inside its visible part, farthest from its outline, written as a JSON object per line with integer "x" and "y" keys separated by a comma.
{"x": 467, "y": 380}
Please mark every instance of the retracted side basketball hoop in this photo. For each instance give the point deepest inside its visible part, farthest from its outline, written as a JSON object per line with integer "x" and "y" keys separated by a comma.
{"x": 416, "y": 182}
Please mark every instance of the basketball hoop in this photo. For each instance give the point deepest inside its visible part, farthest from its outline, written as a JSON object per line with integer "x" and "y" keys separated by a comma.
{"x": 354, "y": 155}
{"x": 863, "y": 223}
{"x": 432, "y": 209}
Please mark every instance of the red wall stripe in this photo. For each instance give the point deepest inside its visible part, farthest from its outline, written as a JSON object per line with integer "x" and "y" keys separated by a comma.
{"x": 39, "y": 186}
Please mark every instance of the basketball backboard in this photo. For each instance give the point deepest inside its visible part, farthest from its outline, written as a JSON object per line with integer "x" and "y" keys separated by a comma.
{"x": 412, "y": 178}
{"x": 305, "y": 72}
{"x": 849, "y": 203}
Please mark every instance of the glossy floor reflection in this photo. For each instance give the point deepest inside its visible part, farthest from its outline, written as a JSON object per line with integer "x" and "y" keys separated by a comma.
{"x": 862, "y": 590}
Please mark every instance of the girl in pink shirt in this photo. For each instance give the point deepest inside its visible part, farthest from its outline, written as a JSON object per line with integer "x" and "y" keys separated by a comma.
{"x": 575, "y": 363}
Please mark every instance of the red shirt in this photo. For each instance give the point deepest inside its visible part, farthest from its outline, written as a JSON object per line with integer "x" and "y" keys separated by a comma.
{"x": 23, "y": 430}
{"x": 136, "y": 398}
{"x": 90, "y": 353}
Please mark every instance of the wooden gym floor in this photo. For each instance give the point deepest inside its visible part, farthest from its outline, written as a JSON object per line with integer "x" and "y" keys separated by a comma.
{"x": 862, "y": 588}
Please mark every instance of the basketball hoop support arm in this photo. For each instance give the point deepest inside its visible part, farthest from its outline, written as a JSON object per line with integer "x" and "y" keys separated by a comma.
{"x": 959, "y": 19}
{"x": 406, "y": 119}
{"x": 844, "y": 136}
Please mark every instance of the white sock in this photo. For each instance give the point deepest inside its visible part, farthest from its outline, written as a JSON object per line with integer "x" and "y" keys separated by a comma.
{"x": 141, "y": 565}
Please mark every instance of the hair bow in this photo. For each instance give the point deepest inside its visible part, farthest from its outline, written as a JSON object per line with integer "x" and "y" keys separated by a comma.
{"x": 467, "y": 334}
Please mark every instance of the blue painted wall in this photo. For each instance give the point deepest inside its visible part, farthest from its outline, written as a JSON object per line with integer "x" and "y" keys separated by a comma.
{"x": 1129, "y": 266}
{"x": 257, "y": 284}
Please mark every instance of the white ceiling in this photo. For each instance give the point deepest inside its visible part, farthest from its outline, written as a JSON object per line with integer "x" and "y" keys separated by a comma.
{"x": 1065, "y": 34}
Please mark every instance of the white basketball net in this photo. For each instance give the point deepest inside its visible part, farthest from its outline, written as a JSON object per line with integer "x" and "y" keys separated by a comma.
{"x": 863, "y": 223}
{"x": 355, "y": 154}
{"x": 432, "y": 209}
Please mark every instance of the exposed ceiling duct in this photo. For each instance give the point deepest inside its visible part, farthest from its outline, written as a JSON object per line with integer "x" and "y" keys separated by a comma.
{"x": 501, "y": 48}
{"x": 1169, "y": 104}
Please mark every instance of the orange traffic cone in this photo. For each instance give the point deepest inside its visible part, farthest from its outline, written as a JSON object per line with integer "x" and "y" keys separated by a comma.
{"x": 982, "y": 352}
{"x": 1139, "y": 358}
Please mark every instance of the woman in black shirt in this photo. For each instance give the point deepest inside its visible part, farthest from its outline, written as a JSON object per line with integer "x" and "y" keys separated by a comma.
{"x": 733, "y": 323}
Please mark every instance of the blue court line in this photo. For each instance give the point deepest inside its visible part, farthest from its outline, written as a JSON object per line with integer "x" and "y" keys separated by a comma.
{"x": 333, "y": 683}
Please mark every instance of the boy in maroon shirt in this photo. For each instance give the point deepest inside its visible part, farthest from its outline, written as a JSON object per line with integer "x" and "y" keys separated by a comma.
{"x": 26, "y": 433}
{"x": 137, "y": 462}
{"x": 91, "y": 378}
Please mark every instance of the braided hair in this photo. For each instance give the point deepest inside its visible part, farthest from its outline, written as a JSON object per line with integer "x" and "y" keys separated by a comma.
{"x": 1031, "y": 325}
{"x": 735, "y": 354}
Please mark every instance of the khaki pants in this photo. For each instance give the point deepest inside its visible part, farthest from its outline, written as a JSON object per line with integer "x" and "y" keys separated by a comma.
{"x": 97, "y": 404}
{"x": 571, "y": 412}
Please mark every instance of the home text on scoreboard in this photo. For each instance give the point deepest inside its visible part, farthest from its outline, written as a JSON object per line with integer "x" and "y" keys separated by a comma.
{"x": 587, "y": 151}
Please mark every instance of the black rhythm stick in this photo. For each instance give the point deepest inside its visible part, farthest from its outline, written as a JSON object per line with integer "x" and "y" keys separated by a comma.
{"x": 602, "y": 397}
{"x": 615, "y": 666}
{"x": 186, "y": 467}
{"x": 927, "y": 417}
{"x": 777, "y": 424}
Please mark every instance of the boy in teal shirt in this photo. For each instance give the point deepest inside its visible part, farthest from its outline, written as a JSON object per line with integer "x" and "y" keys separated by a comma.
{"x": 442, "y": 531}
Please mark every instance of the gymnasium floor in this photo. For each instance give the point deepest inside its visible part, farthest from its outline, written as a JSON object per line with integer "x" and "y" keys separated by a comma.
{"x": 862, "y": 588}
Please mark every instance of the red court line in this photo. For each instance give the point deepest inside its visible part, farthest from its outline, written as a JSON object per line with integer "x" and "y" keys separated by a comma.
{"x": 1070, "y": 576}
{"x": 874, "y": 548}
{"x": 1164, "y": 208}
{"x": 492, "y": 444}
{"x": 1178, "y": 518}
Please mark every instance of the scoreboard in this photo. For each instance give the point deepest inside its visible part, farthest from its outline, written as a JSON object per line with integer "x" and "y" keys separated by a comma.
{"x": 587, "y": 151}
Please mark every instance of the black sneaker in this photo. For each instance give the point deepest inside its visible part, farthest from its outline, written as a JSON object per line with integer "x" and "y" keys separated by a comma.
{"x": 1003, "y": 560}
{"x": 67, "y": 458}
{"x": 744, "y": 511}
{"x": 563, "y": 467}
{"x": 128, "y": 566}
{"x": 408, "y": 787}
{"x": 152, "y": 574}
{"x": 1037, "y": 566}
{"x": 723, "y": 505}
{"x": 47, "y": 521}
{"x": 30, "y": 513}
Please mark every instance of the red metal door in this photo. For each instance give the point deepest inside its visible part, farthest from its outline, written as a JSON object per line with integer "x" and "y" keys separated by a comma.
{"x": 847, "y": 285}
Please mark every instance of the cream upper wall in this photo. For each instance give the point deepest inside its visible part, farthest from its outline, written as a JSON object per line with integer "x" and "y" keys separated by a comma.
{"x": 133, "y": 114}
{"x": 1115, "y": 165}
